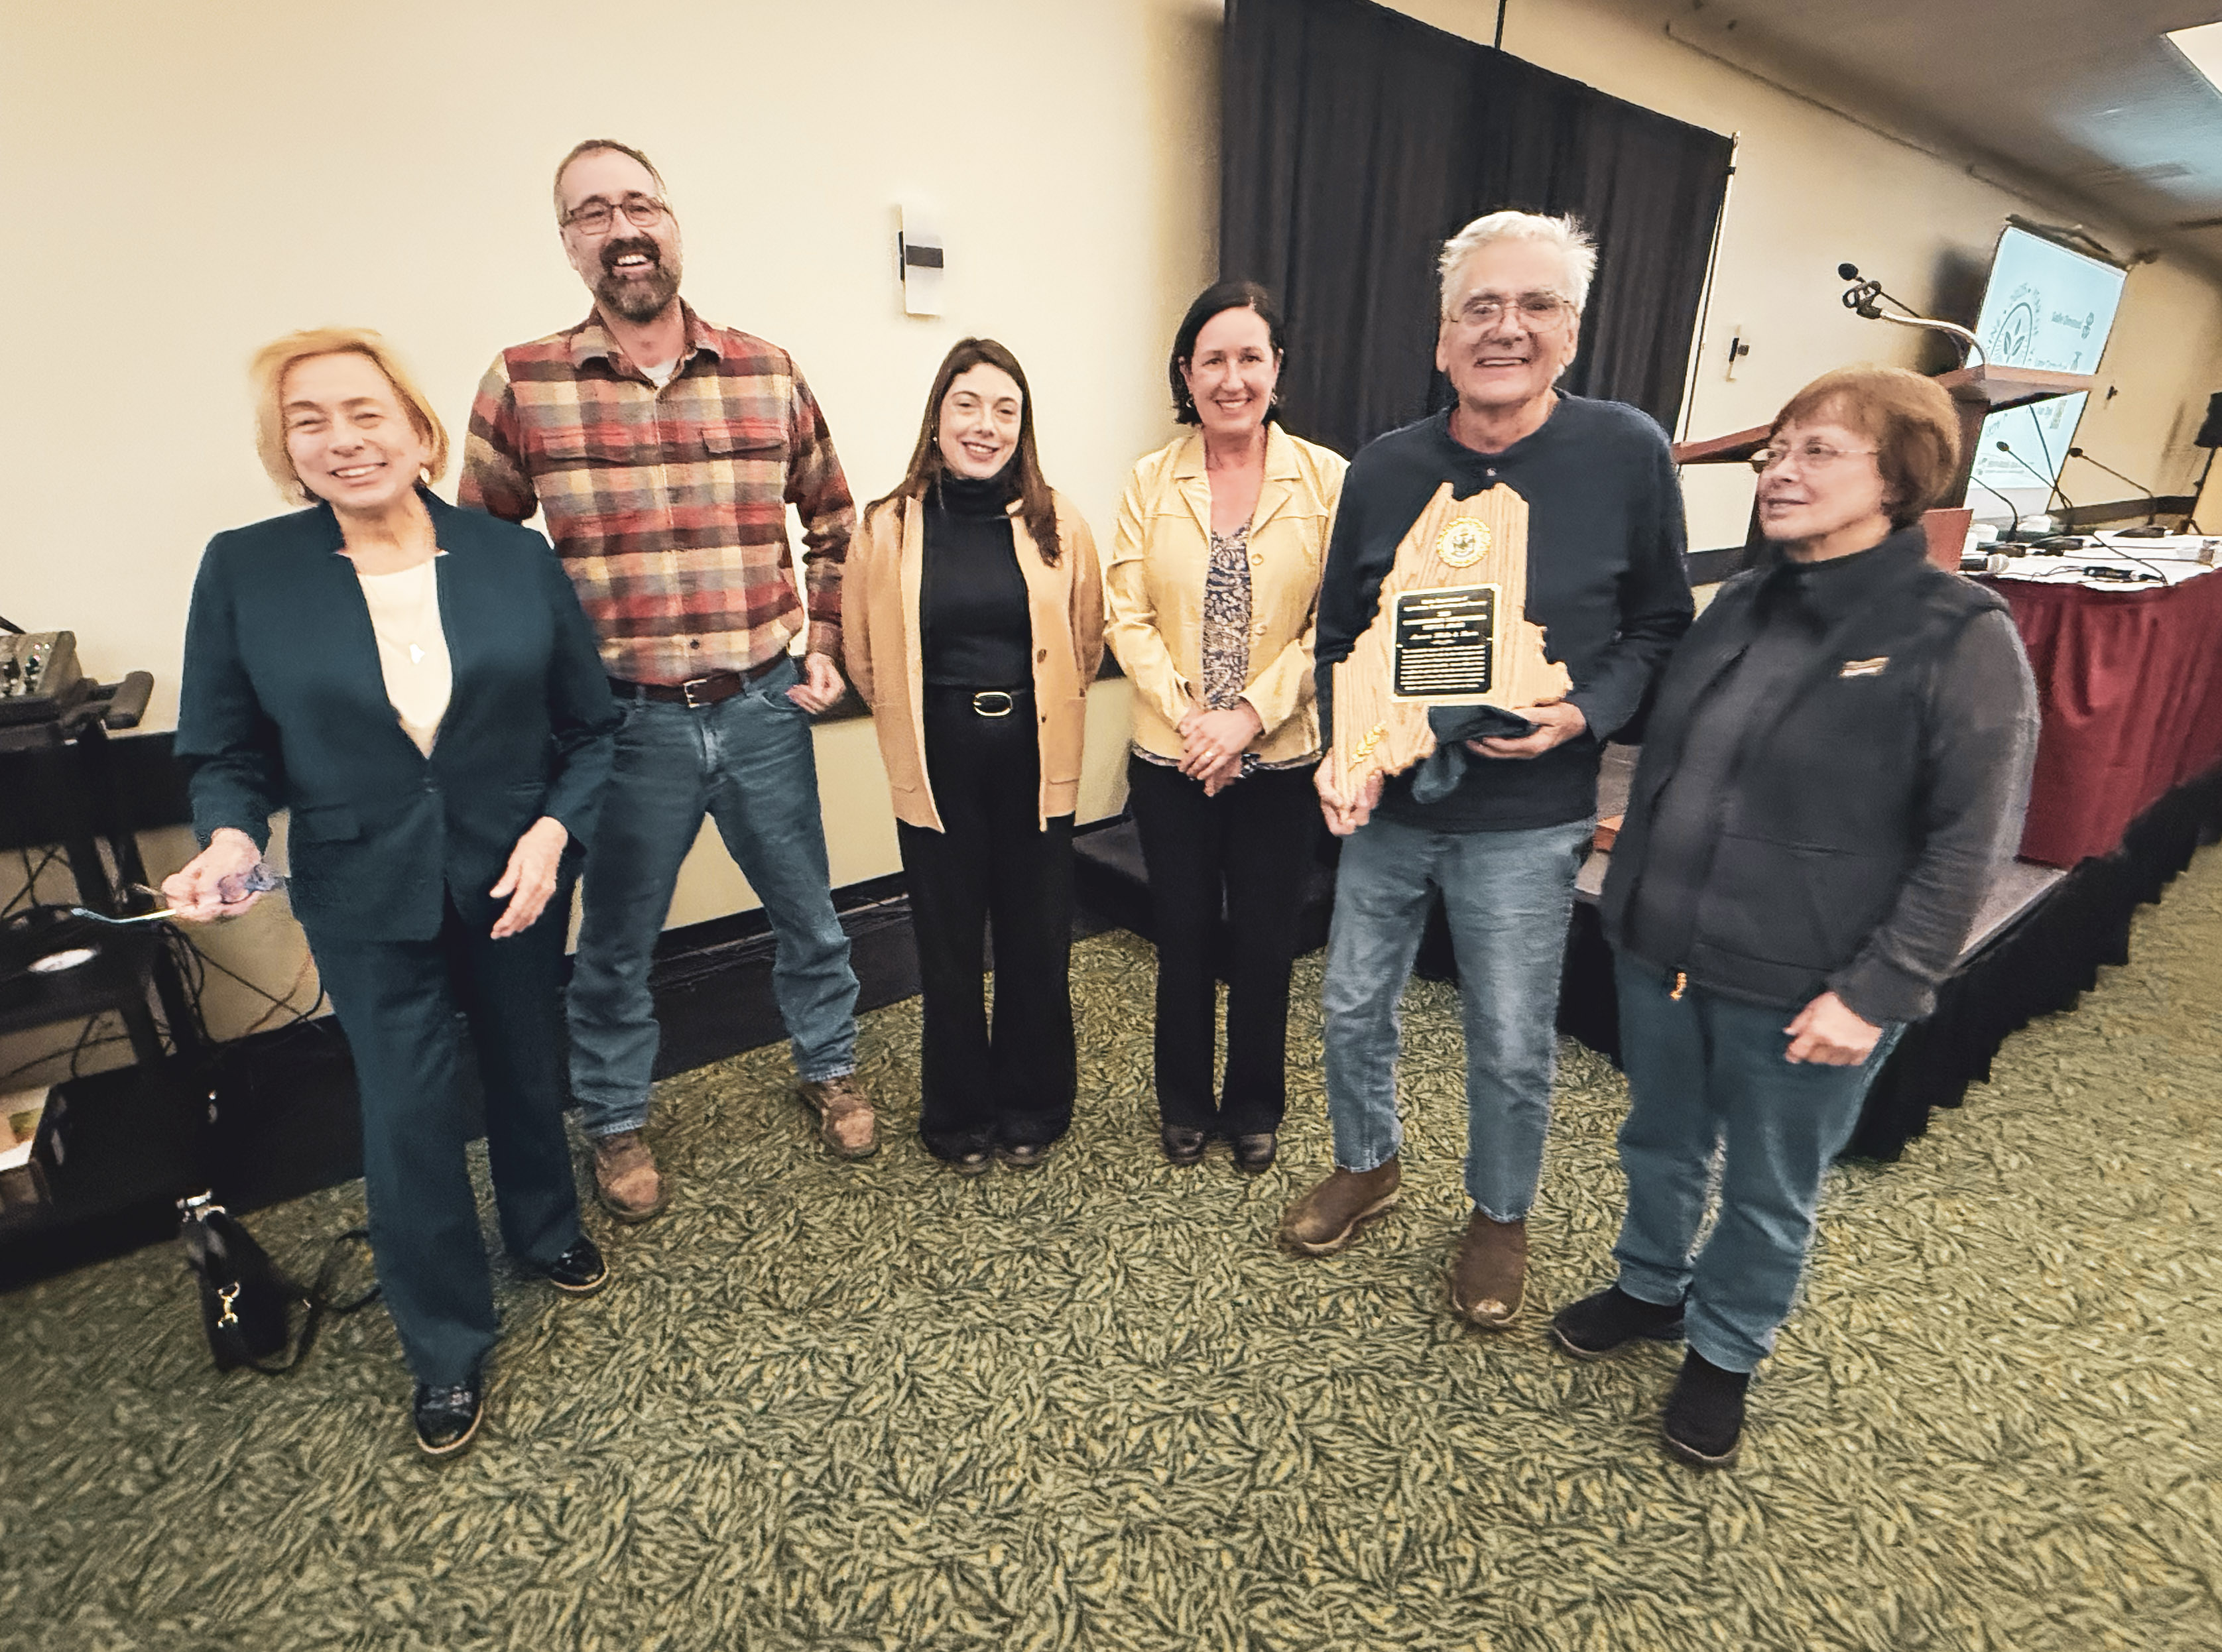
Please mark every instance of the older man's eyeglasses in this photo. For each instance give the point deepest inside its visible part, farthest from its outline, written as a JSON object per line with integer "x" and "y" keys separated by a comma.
{"x": 1811, "y": 456}
{"x": 1537, "y": 309}
{"x": 595, "y": 218}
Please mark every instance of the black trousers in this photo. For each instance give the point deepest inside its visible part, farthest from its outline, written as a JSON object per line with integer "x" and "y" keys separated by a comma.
{"x": 1248, "y": 851}
{"x": 992, "y": 866}
{"x": 398, "y": 1003}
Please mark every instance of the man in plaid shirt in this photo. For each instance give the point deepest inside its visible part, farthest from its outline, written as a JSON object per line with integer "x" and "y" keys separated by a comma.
{"x": 663, "y": 453}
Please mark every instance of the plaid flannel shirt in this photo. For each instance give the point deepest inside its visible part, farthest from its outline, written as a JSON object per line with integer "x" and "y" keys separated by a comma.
{"x": 669, "y": 507}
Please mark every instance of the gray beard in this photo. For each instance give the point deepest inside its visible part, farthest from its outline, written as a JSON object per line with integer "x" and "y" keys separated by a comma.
{"x": 639, "y": 301}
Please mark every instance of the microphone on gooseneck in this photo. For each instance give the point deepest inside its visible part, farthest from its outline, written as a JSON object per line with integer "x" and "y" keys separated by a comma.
{"x": 2150, "y": 515}
{"x": 2011, "y": 511}
{"x": 2052, "y": 488}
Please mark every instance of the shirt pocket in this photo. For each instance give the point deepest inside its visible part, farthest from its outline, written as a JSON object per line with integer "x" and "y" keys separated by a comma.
{"x": 731, "y": 464}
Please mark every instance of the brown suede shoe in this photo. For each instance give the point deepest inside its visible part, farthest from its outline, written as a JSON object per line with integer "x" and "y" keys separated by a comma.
{"x": 1328, "y": 1217}
{"x": 1488, "y": 1274}
{"x": 846, "y": 1123}
{"x": 625, "y": 1180}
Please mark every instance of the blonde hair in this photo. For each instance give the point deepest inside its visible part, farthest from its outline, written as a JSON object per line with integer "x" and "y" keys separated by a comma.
{"x": 1564, "y": 233}
{"x": 267, "y": 375}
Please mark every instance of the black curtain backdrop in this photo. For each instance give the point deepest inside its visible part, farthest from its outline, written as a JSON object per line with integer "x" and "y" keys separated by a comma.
{"x": 1356, "y": 139}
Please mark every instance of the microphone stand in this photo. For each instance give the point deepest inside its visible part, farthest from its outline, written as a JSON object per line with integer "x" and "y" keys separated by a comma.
{"x": 2151, "y": 515}
{"x": 2013, "y": 532}
{"x": 1860, "y": 298}
{"x": 2052, "y": 488}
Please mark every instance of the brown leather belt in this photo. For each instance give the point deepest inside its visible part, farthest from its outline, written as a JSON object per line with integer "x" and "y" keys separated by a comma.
{"x": 715, "y": 689}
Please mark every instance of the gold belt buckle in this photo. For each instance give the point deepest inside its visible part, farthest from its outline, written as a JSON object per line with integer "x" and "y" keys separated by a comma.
{"x": 980, "y": 702}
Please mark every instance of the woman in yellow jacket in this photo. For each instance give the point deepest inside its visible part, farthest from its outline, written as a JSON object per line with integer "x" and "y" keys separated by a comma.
{"x": 972, "y": 625}
{"x": 1213, "y": 577}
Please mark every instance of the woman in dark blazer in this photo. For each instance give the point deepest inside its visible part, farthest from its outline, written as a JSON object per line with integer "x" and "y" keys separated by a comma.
{"x": 1836, "y": 765}
{"x": 417, "y": 687}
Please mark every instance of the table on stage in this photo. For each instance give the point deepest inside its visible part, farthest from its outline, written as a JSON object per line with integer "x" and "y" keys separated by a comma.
{"x": 2130, "y": 688}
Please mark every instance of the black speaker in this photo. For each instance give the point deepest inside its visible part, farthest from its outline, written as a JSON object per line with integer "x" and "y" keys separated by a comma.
{"x": 2210, "y": 431}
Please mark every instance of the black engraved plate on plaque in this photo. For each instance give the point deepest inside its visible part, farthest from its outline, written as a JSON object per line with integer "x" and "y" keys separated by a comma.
{"x": 1446, "y": 642}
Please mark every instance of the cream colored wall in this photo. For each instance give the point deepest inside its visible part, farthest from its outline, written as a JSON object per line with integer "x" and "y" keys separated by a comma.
{"x": 216, "y": 175}
{"x": 1812, "y": 189}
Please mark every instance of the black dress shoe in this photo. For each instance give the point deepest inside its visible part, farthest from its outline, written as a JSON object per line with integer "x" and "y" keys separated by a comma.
{"x": 1022, "y": 1155}
{"x": 1182, "y": 1145}
{"x": 579, "y": 1271}
{"x": 1254, "y": 1152}
{"x": 448, "y": 1418}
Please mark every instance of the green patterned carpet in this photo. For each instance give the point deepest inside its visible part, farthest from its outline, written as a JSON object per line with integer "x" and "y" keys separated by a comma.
{"x": 883, "y": 1407}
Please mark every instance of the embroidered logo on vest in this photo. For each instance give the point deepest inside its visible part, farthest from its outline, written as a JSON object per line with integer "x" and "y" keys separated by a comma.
{"x": 1864, "y": 668}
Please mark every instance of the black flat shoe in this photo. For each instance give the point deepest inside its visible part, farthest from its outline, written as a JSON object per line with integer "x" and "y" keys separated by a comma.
{"x": 975, "y": 1163}
{"x": 1255, "y": 1152}
{"x": 1022, "y": 1155}
{"x": 1182, "y": 1145}
{"x": 1703, "y": 1420}
{"x": 447, "y": 1418}
{"x": 1595, "y": 1326}
{"x": 579, "y": 1271}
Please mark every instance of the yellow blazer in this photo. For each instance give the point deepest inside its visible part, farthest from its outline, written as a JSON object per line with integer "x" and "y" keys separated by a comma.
{"x": 1160, "y": 554}
{"x": 880, "y": 645}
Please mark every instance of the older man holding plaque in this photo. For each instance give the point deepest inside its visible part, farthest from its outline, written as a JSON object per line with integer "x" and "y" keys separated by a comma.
{"x": 1507, "y": 575}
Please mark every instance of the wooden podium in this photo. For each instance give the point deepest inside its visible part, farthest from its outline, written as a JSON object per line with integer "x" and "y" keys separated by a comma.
{"x": 1978, "y": 392}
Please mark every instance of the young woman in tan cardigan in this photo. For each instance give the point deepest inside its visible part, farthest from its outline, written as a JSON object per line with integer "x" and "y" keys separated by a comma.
{"x": 1213, "y": 578}
{"x": 972, "y": 626}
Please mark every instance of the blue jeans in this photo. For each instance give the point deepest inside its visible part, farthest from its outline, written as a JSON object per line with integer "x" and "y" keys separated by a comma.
{"x": 748, "y": 762}
{"x": 1707, "y": 1072}
{"x": 1509, "y": 896}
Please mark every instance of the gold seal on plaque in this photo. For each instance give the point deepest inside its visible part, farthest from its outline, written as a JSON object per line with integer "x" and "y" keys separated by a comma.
{"x": 1464, "y": 541}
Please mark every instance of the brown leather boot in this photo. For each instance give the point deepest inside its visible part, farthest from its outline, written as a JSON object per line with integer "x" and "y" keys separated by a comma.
{"x": 1488, "y": 1274}
{"x": 625, "y": 1180}
{"x": 846, "y": 1123}
{"x": 1328, "y": 1217}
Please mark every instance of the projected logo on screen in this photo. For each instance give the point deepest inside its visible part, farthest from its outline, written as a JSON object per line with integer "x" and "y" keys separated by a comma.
{"x": 2017, "y": 332}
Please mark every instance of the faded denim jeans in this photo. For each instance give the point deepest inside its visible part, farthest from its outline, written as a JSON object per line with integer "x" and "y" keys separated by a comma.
{"x": 749, "y": 763}
{"x": 1509, "y": 897}
{"x": 1706, "y": 1074}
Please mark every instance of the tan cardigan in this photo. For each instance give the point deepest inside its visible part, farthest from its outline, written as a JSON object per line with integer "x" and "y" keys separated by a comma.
{"x": 1160, "y": 554}
{"x": 880, "y": 647}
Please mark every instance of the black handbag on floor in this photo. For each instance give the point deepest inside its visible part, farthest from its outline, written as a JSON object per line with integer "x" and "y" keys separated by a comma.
{"x": 246, "y": 1300}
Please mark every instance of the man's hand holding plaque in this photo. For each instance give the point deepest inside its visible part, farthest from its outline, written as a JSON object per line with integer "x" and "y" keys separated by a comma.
{"x": 1451, "y": 629}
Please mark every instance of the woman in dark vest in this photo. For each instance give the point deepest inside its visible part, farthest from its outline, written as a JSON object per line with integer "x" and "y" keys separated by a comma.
{"x": 972, "y": 613}
{"x": 1837, "y": 762}
{"x": 417, "y": 687}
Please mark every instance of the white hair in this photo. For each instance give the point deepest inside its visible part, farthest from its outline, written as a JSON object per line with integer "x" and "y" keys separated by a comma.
{"x": 1564, "y": 233}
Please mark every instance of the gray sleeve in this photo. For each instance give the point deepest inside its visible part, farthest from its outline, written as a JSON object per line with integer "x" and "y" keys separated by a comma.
{"x": 1979, "y": 749}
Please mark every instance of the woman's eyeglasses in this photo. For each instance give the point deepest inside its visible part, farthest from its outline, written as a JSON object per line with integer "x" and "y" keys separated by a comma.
{"x": 1811, "y": 456}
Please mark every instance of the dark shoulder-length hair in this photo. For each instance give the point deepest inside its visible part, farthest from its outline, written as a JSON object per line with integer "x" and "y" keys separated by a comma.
{"x": 1037, "y": 504}
{"x": 1213, "y": 300}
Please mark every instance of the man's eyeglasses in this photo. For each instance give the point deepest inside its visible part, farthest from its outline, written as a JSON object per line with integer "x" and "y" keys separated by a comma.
{"x": 1811, "y": 456}
{"x": 1537, "y": 309}
{"x": 595, "y": 218}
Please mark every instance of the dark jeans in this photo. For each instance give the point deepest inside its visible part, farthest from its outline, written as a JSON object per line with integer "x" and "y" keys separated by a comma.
{"x": 992, "y": 864}
{"x": 1248, "y": 851}
{"x": 398, "y": 1002}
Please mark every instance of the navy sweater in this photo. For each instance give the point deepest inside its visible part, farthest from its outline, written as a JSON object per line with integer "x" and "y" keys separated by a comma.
{"x": 1605, "y": 580}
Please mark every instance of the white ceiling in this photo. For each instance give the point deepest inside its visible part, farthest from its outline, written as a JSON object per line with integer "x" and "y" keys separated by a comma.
{"x": 2082, "y": 96}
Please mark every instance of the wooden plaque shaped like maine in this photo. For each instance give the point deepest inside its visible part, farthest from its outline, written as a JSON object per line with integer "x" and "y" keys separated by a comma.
{"x": 1452, "y": 629}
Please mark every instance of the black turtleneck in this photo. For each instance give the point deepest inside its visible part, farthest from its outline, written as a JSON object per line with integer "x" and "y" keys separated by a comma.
{"x": 972, "y": 601}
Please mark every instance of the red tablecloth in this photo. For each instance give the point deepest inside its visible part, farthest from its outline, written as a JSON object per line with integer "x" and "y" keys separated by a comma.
{"x": 2129, "y": 686}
